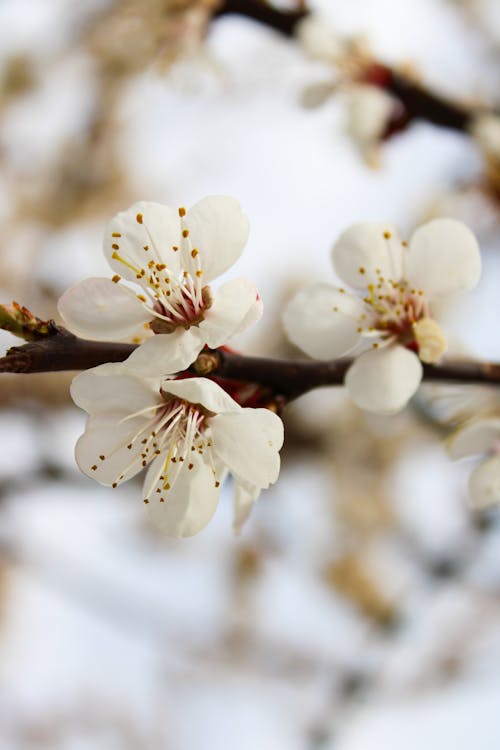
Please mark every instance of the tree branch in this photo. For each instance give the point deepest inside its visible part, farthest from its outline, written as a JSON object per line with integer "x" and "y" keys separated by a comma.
{"x": 283, "y": 21}
{"x": 422, "y": 104}
{"x": 60, "y": 351}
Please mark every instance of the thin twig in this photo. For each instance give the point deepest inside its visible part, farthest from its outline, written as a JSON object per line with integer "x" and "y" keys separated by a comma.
{"x": 289, "y": 379}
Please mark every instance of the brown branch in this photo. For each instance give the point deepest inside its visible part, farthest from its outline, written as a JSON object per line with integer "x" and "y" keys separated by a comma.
{"x": 283, "y": 21}
{"x": 61, "y": 351}
{"x": 288, "y": 379}
{"x": 422, "y": 104}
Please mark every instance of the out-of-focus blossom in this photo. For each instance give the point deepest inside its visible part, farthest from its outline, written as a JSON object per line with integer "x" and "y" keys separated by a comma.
{"x": 135, "y": 34}
{"x": 369, "y": 113}
{"x": 171, "y": 255}
{"x": 372, "y": 112}
{"x": 486, "y": 131}
{"x": 389, "y": 329}
{"x": 189, "y": 432}
{"x": 480, "y": 437}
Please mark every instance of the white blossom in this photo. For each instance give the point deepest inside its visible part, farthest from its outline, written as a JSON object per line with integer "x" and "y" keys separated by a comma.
{"x": 189, "y": 433}
{"x": 369, "y": 111}
{"x": 318, "y": 39}
{"x": 171, "y": 255}
{"x": 486, "y": 131}
{"x": 480, "y": 437}
{"x": 388, "y": 327}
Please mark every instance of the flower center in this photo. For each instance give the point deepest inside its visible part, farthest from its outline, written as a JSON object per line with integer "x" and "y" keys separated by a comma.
{"x": 393, "y": 309}
{"x": 395, "y": 312}
{"x": 174, "y": 299}
{"x": 177, "y": 431}
{"x": 184, "y": 311}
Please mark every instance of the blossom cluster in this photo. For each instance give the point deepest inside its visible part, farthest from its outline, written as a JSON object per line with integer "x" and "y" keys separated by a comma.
{"x": 152, "y": 412}
{"x": 188, "y": 431}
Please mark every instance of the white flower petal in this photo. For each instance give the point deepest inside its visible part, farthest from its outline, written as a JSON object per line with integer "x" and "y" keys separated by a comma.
{"x": 189, "y": 504}
{"x": 219, "y": 230}
{"x": 107, "y": 438}
{"x": 384, "y": 380}
{"x": 248, "y": 443}
{"x": 244, "y": 499}
{"x": 235, "y": 307}
{"x": 202, "y": 391}
{"x": 317, "y": 38}
{"x": 443, "y": 259}
{"x": 478, "y": 436}
{"x": 113, "y": 387}
{"x": 323, "y": 322}
{"x": 484, "y": 484}
{"x": 486, "y": 130}
{"x": 144, "y": 225}
{"x": 369, "y": 112}
{"x": 167, "y": 353}
{"x": 102, "y": 310}
{"x": 366, "y": 251}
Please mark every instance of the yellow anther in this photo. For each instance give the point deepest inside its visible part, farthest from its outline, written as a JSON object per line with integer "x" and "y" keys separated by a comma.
{"x": 387, "y": 235}
{"x": 194, "y": 252}
{"x": 116, "y": 278}
{"x": 116, "y": 234}
{"x": 139, "y": 218}
{"x": 182, "y": 211}
{"x": 185, "y": 232}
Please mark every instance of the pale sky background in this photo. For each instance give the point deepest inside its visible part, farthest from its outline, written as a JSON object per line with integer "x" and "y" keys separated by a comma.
{"x": 104, "y": 617}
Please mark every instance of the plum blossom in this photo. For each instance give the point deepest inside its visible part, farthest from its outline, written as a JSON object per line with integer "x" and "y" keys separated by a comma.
{"x": 189, "y": 433}
{"x": 164, "y": 259}
{"x": 486, "y": 130}
{"x": 389, "y": 327}
{"x": 370, "y": 111}
{"x": 480, "y": 437}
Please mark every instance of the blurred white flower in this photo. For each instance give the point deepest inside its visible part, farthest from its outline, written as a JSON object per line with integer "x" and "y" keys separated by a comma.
{"x": 318, "y": 39}
{"x": 189, "y": 432}
{"x": 486, "y": 131}
{"x": 480, "y": 438}
{"x": 369, "y": 113}
{"x": 389, "y": 329}
{"x": 171, "y": 255}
